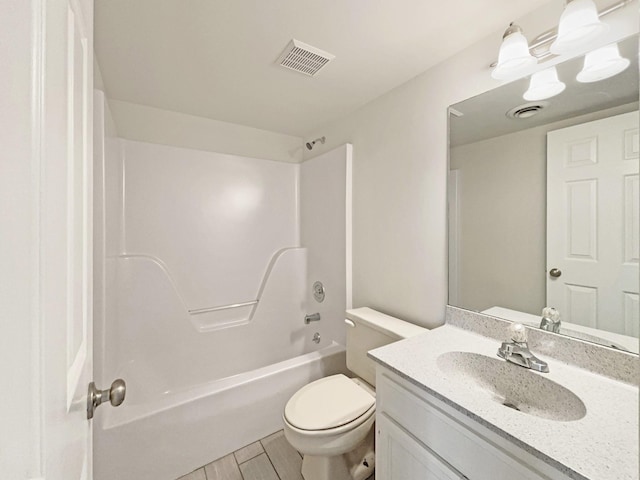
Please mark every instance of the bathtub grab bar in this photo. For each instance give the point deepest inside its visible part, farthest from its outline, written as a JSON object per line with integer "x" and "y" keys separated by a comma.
{"x": 198, "y": 311}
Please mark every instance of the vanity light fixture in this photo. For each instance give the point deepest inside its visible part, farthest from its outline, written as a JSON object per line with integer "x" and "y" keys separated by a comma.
{"x": 579, "y": 25}
{"x": 514, "y": 58}
{"x": 543, "y": 85}
{"x": 602, "y": 63}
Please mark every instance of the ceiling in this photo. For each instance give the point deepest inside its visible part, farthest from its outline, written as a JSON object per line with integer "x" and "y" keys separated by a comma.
{"x": 484, "y": 115}
{"x": 215, "y": 59}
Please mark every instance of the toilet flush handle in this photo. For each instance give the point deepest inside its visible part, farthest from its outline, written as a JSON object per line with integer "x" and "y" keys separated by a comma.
{"x": 350, "y": 323}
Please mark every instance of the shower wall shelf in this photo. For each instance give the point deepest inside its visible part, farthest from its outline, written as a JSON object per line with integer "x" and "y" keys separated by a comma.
{"x": 222, "y": 307}
{"x": 208, "y": 319}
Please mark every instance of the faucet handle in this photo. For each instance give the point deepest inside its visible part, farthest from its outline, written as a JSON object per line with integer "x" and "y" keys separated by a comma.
{"x": 551, "y": 313}
{"x": 518, "y": 333}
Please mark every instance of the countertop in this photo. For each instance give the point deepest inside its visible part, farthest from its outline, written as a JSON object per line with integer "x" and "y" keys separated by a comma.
{"x": 603, "y": 445}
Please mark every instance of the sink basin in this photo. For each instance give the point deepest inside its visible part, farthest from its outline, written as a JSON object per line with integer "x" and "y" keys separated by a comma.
{"x": 513, "y": 386}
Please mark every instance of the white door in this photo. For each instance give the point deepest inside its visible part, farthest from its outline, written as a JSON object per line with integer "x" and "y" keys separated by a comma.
{"x": 47, "y": 55}
{"x": 593, "y": 236}
{"x": 401, "y": 457}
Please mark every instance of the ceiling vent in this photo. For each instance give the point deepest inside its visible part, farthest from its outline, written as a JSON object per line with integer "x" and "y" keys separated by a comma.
{"x": 304, "y": 58}
{"x": 526, "y": 110}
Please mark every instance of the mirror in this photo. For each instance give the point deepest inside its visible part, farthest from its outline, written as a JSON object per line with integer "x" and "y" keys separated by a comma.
{"x": 544, "y": 205}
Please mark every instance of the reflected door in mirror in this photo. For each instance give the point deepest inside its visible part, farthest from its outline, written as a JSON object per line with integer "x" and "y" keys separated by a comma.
{"x": 592, "y": 223}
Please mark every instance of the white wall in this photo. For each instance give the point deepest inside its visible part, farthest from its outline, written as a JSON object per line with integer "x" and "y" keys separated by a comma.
{"x": 400, "y": 171}
{"x": 98, "y": 84}
{"x": 325, "y": 231}
{"x": 153, "y": 125}
{"x": 502, "y": 217}
{"x": 20, "y": 405}
{"x": 216, "y": 221}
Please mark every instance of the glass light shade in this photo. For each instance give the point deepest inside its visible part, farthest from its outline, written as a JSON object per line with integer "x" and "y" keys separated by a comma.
{"x": 544, "y": 84}
{"x": 514, "y": 57}
{"x": 602, "y": 63}
{"x": 579, "y": 25}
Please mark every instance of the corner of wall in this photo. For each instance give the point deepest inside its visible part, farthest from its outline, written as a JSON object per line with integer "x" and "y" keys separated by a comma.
{"x": 111, "y": 131}
{"x": 154, "y": 125}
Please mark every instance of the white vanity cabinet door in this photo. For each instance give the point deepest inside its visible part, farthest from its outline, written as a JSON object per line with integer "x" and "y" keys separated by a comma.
{"x": 449, "y": 437}
{"x": 402, "y": 457}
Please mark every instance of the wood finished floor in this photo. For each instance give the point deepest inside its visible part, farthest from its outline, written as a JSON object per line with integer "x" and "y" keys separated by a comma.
{"x": 271, "y": 458}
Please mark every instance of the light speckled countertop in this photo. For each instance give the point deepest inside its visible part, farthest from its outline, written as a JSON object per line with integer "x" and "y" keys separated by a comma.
{"x": 603, "y": 445}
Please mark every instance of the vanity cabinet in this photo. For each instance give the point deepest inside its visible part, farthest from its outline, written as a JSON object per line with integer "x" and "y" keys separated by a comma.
{"x": 400, "y": 456}
{"x": 419, "y": 437}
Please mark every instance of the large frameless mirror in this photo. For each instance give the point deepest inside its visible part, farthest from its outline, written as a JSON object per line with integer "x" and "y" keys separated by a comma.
{"x": 544, "y": 205}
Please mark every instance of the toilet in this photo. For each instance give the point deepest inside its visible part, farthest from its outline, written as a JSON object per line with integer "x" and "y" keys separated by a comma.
{"x": 330, "y": 421}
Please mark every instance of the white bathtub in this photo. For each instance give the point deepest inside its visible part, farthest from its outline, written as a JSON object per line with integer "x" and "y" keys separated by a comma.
{"x": 181, "y": 431}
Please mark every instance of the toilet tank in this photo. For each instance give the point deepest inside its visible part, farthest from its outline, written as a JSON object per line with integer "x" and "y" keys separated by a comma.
{"x": 372, "y": 329}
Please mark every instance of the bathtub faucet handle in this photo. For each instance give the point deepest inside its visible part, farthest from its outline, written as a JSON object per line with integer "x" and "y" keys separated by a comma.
{"x": 314, "y": 317}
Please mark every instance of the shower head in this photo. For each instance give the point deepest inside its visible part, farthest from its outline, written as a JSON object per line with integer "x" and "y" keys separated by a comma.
{"x": 311, "y": 144}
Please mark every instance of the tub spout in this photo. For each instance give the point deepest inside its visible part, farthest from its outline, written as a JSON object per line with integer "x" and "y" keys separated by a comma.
{"x": 314, "y": 317}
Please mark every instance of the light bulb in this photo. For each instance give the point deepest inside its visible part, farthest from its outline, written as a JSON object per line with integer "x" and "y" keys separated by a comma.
{"x": 579, "y": 25}
{"x": 514, "y": 58}
{"x": 602, "y": 63}
{"x": 543, "y": 85}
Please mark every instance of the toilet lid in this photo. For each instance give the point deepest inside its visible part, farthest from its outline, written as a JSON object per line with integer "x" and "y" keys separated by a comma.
{"x": 327, "y": 403}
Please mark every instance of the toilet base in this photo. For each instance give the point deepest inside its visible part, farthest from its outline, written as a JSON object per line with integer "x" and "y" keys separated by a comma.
{"x": 358, "y": 464}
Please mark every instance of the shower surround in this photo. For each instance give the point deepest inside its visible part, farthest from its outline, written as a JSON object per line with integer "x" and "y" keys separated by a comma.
{"x": 204, "y": 267}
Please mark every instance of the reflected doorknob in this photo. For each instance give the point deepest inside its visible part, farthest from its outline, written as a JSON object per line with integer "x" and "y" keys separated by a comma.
{"x": 96, "y": 397}
{"x": 555, "y": 273}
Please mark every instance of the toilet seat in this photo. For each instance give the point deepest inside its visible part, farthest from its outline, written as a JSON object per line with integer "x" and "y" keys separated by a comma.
{"x": 329, "y": 404}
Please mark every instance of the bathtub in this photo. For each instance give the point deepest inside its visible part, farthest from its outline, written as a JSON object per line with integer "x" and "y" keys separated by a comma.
{"x": 196, "y": 393}
{"x": 178, "y": 432}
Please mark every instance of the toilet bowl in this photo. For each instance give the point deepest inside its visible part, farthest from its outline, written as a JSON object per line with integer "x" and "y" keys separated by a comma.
{"x": 330, "y": 421}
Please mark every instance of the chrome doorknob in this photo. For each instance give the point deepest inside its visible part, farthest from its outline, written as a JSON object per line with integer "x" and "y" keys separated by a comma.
{"x": 96, "y": 397}
{"x": 555, "y": 273}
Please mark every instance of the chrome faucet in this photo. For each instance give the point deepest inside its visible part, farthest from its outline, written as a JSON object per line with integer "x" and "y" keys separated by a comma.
{"x": 550, "y": 320}
{"x": 314, "y": 317}
{"x": 517, "y": 351}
